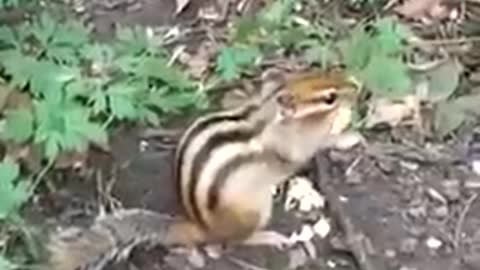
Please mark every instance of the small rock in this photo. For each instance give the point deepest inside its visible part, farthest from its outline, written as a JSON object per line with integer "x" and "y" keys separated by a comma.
{"x": 354, "y": 178}
{"x": 418, "y": 211}
{"x": 386, "y": 166}
{"x": 473, "y": 183}
{"x": 412, "y": 166}
{"x": 476, "y": 166}
{"x": 301, "y": 193}
{"x": 435, "y": 195}
{"x": 451, "y": 189}
{"x": 390, "y": 253}
{"x": 441, "y": 211}
{"x": 433, "y": 242}
{"x": 408, "y": 246}
{"x": 322, "y": 227}
{"x": 305, "y": 234}
{"x": 404, "y": 267}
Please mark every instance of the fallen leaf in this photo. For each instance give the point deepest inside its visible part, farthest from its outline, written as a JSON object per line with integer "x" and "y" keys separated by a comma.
{"x": 439, "y": 82}
{"x": 197, "y": 63}
{"x": 449, "y": 115}
{"x": 393, "y": 113}
{"x": 416, "y": 9}
{"x": 71, "y": 159}
{"x": 181, "y": 4}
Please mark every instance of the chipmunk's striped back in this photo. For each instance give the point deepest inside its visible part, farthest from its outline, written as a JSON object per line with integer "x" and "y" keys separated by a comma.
{"x": 198, "y": 144}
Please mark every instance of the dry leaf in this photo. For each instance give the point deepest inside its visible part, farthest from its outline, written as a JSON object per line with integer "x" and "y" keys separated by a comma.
{"x": 198, "y": 63}
{"x": 30, "y": 155}
{"x": 71, "y": 160}
{"x": 215, "y": 10}
{"x": 439, "y": 82}
{"x": 416, "y": 9}
{"x": 181, "y": 4}
{"x": 385, "y": 111}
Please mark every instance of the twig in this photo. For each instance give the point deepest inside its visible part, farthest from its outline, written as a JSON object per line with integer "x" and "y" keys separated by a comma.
{"x": 40, "y": 176}
{"x": 444, "y": 41}
{"x": 459, "y": 228}
{"x": 461, "y": 220}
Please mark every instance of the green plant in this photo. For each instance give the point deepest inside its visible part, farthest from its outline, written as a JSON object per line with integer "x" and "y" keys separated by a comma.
{"x": 61, "y": 90}
{"x": 78, "y": 87}
{"x": 5, "y": 264}
{"x": 13, "y": 195}
{"x": 13, "y": 189}
{"x": 373, "y": 53}
{"x": 9, "y": 3}
{"x": 251, "y": 39}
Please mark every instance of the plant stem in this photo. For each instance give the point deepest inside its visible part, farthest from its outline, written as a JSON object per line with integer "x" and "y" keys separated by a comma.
{"x": 108, "y": 121}
{"x": 40, "y": 176}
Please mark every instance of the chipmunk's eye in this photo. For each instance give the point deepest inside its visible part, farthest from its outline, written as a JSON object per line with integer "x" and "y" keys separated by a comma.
{"x": 330, "y": 98}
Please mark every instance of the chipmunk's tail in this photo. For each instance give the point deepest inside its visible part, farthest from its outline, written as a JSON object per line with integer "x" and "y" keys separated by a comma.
{"x": 112, "y": 237}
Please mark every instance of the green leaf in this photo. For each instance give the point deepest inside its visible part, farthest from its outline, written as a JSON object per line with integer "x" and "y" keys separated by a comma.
{"x": 451, "y": 114}
{"x": 65, "y": 125}
{"x": 72, "y": 34}
{"x": 9, "y": 171}
{"x": 122, "y": 101}
{"x": 52, "y": 148}
{"x": 7, "y": 37}
{"x": 277, "y": 12}
{"x": 99, "y": 99}
{"x": 172, "y": 101}
{"x": 149, "y": 116}
{"x": 98, "y": 52}
{"x": 132, "y": 40}
{"x": 5, "y": 264}
{"x": 245, "y": 29}
{"x": 49, "y": 79}
{"x": 19, "y": 66}
{"x": 122, "y": 107}
{"x": 158, "y": 68}
{"x": 19, "y": 125}
{"x": 387, "y": 76}
{"x": 12, "y": 195}
{"x": 357, "y": 50}
{"x": 443, "y": 80}
{"x": 44, "y": 28}
{"x": 231, "y": 60}
{"x": 389, "y": 35}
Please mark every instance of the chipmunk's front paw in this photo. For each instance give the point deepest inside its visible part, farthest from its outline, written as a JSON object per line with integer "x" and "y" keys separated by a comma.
{"x": 269, "y": 238}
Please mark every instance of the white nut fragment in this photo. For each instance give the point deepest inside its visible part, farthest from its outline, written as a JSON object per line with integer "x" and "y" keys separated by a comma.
{"x": 302, "y": 191}
{"x": 476, "y": 166}
{"x": 433, "y": 242}
{"x": 305, "y": 234}
{"x": 322, "y": 227}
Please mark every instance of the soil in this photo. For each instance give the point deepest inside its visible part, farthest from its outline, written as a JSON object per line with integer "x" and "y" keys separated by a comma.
{"x": 399, "y": 202}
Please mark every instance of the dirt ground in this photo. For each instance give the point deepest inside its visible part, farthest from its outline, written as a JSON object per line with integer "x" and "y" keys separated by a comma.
{"x": 398, "y": 202}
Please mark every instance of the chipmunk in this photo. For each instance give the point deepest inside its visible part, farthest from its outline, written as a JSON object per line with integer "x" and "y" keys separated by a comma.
{"x": 226, "y": 164}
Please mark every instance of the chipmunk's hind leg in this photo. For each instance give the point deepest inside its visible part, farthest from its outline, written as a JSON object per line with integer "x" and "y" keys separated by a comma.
{"x": 242, "y": 224}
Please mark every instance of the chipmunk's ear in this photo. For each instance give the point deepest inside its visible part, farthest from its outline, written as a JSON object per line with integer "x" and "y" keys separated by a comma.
{"x": 285, "y": 106}
{"x": 273, "y": 80}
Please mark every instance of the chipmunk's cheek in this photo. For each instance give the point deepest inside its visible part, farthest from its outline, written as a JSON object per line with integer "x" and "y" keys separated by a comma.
{"x": 341, "y": 121}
